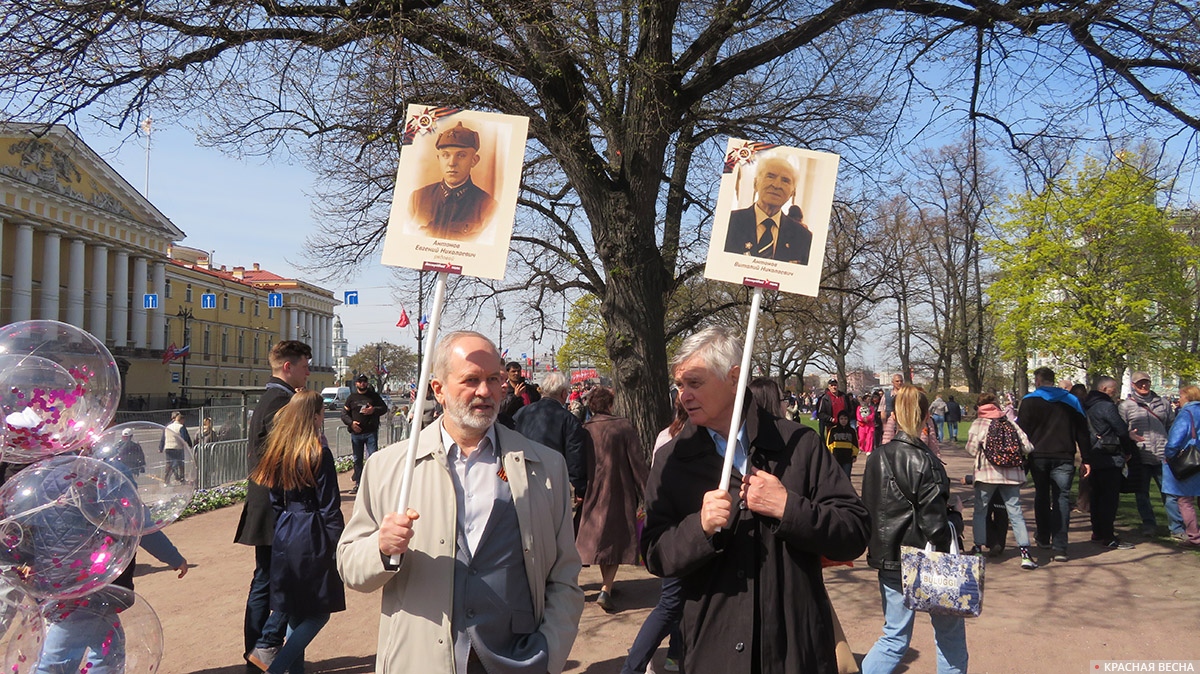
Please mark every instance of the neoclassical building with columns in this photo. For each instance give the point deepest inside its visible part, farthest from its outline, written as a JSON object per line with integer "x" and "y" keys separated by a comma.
{"x": 79, "y": 244}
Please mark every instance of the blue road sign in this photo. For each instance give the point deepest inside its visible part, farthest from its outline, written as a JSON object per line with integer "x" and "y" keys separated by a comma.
{"x": 274, "y": 300}
{"x": 174, "y": 377}
{"x": 150, "y": 301}
{"x": 208, "y": 301}
{"x": 351, "y": 297}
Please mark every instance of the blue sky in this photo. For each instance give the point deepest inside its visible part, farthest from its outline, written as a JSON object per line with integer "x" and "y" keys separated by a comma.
{"x": 246, "y": 211}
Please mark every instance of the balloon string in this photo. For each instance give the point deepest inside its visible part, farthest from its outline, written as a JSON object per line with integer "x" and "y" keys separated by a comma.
{"x": 69, "y": 498}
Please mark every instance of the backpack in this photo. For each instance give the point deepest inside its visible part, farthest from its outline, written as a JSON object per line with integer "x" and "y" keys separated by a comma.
{"x": 1002, "y": 446}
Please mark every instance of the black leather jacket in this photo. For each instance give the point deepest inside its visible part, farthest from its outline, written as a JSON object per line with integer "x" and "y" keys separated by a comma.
{"x": 910, "y": 469}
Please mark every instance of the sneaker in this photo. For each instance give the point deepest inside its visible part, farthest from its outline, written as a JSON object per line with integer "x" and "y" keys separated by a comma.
{"x": 1149, "y": 530}
{"x": 354, "y": 489}
{"x": 975, "y": 550}
{"x": 1060, "y": 556}
{"x": 671, "y": 665}
{"x": 1118, "y": 544}
{"x": 1027, "y": 562}
{"x": 1043, "y": 545}
{"x": 262, "y": 657}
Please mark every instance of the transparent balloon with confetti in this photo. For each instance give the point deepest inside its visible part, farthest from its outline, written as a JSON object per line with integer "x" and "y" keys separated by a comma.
{"x": 165, "y": 477}
{"x": 21, "y": 630}
{"x": 110, "y": 630}
{"x": 68, "y": 526}
{"x": 59, "y": 385}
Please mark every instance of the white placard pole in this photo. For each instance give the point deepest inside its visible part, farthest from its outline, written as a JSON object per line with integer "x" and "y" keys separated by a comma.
{"x": 410, "y": 459}
{"x": 739, "y": 399}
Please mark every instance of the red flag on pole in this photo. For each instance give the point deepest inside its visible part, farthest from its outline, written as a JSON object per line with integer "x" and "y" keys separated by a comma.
{"x": 403, "y": 322}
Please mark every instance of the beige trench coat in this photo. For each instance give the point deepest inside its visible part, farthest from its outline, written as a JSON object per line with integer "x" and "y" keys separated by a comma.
{"x": 415, "y": 621}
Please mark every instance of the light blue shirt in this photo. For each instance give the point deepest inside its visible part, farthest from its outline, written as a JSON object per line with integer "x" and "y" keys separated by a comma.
{"x": 475, "y": 479}
{"x": 740, "y": 456}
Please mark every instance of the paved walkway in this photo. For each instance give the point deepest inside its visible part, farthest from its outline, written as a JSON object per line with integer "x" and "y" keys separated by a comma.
{"x": 1101, "y": 605}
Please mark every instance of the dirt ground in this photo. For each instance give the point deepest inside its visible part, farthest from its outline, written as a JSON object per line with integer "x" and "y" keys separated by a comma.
{"x": 1140, "y": 604}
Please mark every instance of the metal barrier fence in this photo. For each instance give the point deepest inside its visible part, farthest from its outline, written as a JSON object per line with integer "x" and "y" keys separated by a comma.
{"x": 223, "y": 462}
{"x": 220, "y": 463}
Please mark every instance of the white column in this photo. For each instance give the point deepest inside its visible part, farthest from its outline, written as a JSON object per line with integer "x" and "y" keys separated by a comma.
{"x": 98, "y": 325}
{"x": 120, "y": 304}
{"x": 306, "y": 323}
{"x": 157, "y": 320}
{"x": 51, "y": 254}
{"x": 22, "y": 301}
{"x": 293, "y": 319}
{"x": 329, "y": 341}
{"x": 75, "y": 282}
{"x": 324, "y": 325}
{"x": 319, "y": 341}
{"x": 139, "y": 309}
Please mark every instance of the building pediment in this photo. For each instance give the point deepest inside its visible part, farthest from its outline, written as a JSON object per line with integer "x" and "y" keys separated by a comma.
{"x": 57, "y": 161}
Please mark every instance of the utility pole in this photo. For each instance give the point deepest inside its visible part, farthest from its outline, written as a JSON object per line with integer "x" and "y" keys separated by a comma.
{"x": 500, "y": 317}
{"x": 379, "y": 367}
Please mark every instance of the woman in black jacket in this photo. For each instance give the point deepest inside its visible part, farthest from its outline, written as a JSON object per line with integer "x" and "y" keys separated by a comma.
{"x": 907, "y": 492}
{"x": 299, "y": 470}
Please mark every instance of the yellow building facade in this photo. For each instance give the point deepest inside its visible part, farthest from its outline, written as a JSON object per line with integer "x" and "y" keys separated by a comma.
{"x": 78, "y": 244}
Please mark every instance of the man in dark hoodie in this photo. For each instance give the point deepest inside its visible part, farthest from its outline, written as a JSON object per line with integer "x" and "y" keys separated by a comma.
{"x": 1105, "y": 458}
{"x": 1055, "y": 423}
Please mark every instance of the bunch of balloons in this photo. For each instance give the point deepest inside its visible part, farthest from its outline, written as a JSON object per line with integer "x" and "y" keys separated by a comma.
{"x": 71, "y": 520}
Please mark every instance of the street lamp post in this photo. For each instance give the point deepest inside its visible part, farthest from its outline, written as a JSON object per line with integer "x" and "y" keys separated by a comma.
{"x": 187, "y": 317}
{"x": 500, "y": 317}
{"x": 379, "y": 366}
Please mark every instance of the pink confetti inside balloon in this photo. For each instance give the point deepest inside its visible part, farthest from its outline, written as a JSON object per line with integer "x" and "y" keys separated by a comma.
{"x": 63, "y": 531}
{"x": 110, "y": 630}
{"x": 21, "y": 630}
{"x": 141, "y": 451}
{"x": 58, "y": 386}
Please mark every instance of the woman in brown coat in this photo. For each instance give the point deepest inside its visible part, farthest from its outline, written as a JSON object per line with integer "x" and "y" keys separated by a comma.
{"x": 617, "y": 473}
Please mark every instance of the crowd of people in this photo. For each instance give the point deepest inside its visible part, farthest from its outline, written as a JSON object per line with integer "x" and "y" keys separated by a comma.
{"x": 516, "y": 486}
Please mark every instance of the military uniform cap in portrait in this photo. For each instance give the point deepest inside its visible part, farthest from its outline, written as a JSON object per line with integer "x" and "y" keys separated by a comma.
{"x": 456, "y": 190}
{"x": 459, "y": 136}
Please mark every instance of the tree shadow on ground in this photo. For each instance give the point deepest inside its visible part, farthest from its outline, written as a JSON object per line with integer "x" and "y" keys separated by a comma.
{"x": 340, "y": 665}
{"x": 628, "y": 595}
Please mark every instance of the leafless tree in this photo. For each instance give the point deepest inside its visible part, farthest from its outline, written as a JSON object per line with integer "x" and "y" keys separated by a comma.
{"x": 628, "y": 102}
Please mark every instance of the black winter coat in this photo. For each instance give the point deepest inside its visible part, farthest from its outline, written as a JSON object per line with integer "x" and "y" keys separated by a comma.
{"x": 257, "y": 524}
{"x": 895, "y": 518}
{"x": 352, "y": 411}
{"x": 304, "y": 577}
{"x": 1109, "y": 433}
{"x": 754, "y": 598}
{"x": 548, "y": 422}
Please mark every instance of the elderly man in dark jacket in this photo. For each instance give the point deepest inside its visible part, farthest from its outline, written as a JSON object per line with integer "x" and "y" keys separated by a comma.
{"x": 1112, "y": 443}
{"x": 748, "y": 559}
{"x": 547, "y": 421}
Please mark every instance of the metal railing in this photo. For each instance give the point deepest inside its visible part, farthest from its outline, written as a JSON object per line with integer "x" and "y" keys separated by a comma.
{"x": 223, "y": 462}
{"x": 219, "y": 463}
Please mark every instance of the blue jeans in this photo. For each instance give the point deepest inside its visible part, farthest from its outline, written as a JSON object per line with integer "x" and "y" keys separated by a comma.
{"x": 363, "y": 445}
{"x": 949, "y": 633}
{"x": 952, "y": 427}
{"x": 1153, "y": 471}
{"x": 939, "y": 422}
{"x": 1052, "y": 499}
{"x": 263, "y": 629}
{"x": 301, "y": 631}
{"x": 662, "y": 621}
{"x": 98, "y": 634}
{"x": 1011, "y": 493}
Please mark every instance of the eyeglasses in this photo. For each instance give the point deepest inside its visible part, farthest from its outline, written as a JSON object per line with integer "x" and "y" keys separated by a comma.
{"x": 1145, "y": 383}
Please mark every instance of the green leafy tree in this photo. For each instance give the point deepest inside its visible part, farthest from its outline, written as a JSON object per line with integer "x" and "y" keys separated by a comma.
{"x": 399, "y": 361}
{"x": 584, "y": 344}
{"x": 1090, "y": 271}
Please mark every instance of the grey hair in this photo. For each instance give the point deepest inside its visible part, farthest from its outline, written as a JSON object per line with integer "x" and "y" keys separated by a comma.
{"x": 1103, "y": 381}
{"x": 718, "y": 347}
{"x": 445, "y": 345}
{"x": 554, "y": 385}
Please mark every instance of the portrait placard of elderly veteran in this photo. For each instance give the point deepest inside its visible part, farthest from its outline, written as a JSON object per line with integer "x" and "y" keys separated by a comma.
{"x": 764, "y": 229}
{"x": 748, "y": 559}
